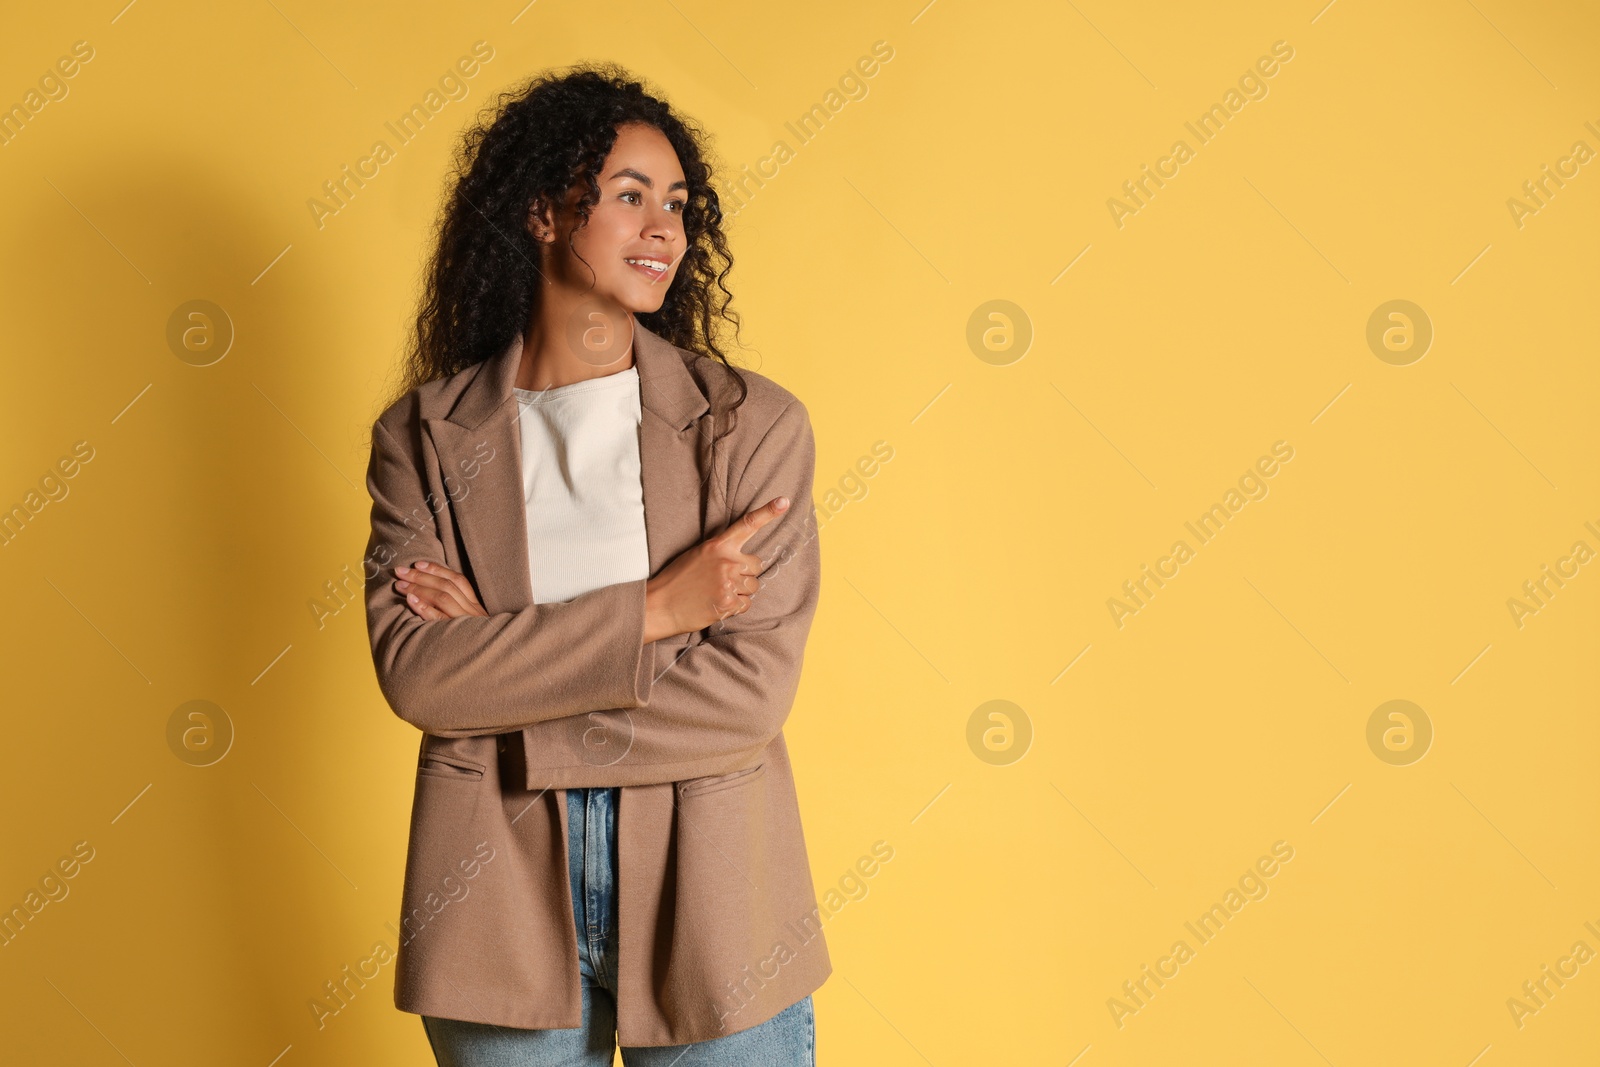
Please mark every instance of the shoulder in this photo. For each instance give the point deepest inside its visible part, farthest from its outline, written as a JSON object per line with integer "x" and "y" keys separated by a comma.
{"x": 403, "y": 419}
{"x": 766, "y": 406}
{"x": 766, "y": 443}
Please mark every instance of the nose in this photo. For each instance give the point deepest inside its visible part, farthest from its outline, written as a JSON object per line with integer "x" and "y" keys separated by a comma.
{"x": 659, "y": 222}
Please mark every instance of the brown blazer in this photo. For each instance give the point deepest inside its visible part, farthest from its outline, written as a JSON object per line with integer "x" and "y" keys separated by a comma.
{"x": 718, "y": 922}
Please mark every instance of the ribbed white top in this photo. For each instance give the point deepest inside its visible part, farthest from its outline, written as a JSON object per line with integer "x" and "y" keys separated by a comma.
{"x": 581, "y": 483}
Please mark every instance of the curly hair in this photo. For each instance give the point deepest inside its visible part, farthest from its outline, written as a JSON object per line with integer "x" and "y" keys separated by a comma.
{"x": 531, "y": 146}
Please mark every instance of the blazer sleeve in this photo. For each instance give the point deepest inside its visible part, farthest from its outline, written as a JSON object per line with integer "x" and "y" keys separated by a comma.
{"x": 718, "y": 705}
{"x": 474, "y": 675}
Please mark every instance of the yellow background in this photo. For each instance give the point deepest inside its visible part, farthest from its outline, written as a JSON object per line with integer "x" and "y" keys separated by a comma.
{"x": 1228, "y": 313}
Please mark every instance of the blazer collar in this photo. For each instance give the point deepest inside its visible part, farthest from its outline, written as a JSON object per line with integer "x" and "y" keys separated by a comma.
{"x": 479, "y": 451}
{"x": 665, "y": 385}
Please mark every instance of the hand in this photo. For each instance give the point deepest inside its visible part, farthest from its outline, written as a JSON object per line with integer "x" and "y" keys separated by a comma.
{"x": 434, "y": 591}
{"x": 709, "y": 582}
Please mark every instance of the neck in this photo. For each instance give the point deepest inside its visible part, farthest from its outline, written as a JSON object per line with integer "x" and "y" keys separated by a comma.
{"x": 572, "y": 339}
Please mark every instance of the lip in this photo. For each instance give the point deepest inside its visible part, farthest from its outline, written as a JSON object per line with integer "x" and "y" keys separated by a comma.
{"x": 653, "y": 275}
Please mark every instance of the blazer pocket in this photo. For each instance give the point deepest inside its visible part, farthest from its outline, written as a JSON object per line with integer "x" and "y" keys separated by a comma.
{"x": 437, "y": 765}
{"x": 695, "y": 786}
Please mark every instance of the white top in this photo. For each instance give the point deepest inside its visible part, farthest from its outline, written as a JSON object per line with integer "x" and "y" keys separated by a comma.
{"x": 582, "y": 485}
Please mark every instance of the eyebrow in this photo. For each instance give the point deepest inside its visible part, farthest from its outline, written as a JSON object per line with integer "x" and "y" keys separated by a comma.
{"x": 629, "y": 172}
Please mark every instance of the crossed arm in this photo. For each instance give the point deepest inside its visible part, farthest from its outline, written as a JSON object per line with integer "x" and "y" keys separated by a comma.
{"x": 552, "y": 669}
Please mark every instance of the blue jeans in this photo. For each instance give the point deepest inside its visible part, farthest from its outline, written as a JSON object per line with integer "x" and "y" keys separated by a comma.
{"x": 788, "y": 1039}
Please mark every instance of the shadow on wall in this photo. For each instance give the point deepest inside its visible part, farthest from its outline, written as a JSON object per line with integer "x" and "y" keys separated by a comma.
{"x": 259, "y": 785}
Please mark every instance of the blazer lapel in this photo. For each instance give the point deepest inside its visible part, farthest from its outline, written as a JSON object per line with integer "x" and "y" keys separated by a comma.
{"x": 490, "y": 510}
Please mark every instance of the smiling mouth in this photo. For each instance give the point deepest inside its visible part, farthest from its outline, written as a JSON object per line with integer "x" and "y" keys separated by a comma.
{"x": 649, "y": 266}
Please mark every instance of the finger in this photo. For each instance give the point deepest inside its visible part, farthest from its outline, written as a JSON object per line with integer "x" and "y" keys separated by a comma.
{"x": 422, "y": 608}
{"x": 743, "y": 584}
{"x": 464, "y": 590}
{"x": 450, "y": 603}
{"x": 442, "y": 601}
{"x": 426, "y": 568}
{"x": 741, "y": 529}
{"x": 428, "y": 579}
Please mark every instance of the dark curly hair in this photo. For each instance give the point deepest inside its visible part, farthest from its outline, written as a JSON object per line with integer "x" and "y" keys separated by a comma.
{"x": 533, "y": 144}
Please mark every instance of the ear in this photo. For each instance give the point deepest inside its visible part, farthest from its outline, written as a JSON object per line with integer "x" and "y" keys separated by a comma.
{"x": 540, "y": 223}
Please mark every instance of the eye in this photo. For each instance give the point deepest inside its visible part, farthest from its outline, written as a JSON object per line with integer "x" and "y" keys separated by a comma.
{"x": 678, "y": 204}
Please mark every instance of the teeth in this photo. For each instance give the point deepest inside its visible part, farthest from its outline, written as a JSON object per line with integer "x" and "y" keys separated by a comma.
{"x": 653, "y": 264}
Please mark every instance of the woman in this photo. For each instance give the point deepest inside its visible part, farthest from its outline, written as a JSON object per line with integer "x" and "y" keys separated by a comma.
{"x": 576, "y": 502}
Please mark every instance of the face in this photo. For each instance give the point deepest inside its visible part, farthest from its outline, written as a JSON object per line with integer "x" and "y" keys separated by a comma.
{"x": 634, "y": 239}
